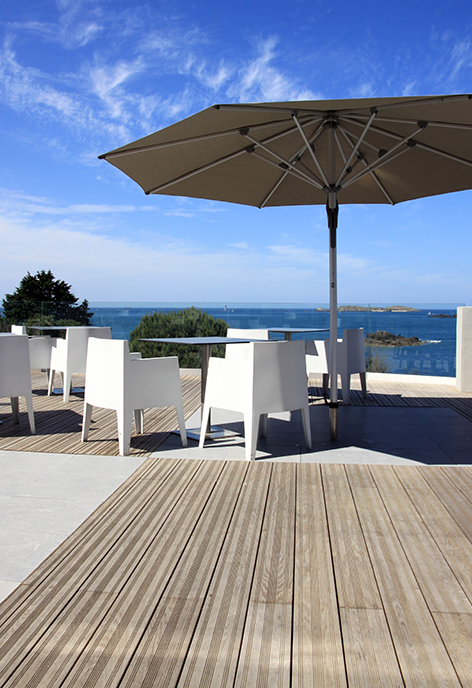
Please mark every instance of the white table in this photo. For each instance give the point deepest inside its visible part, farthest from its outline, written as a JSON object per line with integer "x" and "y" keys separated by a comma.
{"x": 288, "y": 331}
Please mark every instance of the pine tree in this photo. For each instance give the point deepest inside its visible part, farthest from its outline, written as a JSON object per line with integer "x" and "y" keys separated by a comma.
{"x": 41, "y": 299}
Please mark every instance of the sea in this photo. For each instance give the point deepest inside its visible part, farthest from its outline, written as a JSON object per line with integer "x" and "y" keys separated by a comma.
{"x": 434, "y": 325}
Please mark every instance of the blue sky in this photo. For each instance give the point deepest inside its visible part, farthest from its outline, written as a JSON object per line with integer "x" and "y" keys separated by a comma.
{"x": 81, "y": 77}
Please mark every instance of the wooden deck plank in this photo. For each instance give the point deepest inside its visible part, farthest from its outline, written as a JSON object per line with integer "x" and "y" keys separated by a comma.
{"x": 456, "y": 632}
{"x": 109, "y": 650}
{"x": 226, "y": 573}
{"x": 455, "y": 547}
{"x": 214, "y": 651}
{"x": 59, "y": 424}
{"x": 163, "y": 648}
{"x": 90, "y": 568}
{"x": 454, "y": 499}
{"x": 442, "y": 591}
{"x": 422, "y": 656}
{"x": 355, "y": 581}
{"x": 318, "y": 659}
{"x": 369, "y": 653}
{"x": 266, "y": 650}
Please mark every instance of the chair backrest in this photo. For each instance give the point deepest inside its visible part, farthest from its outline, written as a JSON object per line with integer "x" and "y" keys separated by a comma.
{"x": 40, "y": 351}
{"x": 76, "y": 343}
{"x": 250, "y": 334}
{"x": 15, "y": 375}
{"x": 353, "y": 346}
{"x": 316, "y": 356}
{"x": 18, "y": 329}
{"x": 280, "y": 377}
{"x": 105, "y": 371}
{"x": 238, "y": 352}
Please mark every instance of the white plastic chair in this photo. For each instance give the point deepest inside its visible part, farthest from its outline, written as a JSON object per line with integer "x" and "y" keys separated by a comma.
{"x": 15, "y": 376}
{"x": 238, "y": 351}
{"x": 271, "y": 379}
{"x": 316, "y": 360}
{"x": 350, "y": 360}
{"x": 128, "y": 384}
{"x": 69, "y": 355}
{"x": 18, "y": 329}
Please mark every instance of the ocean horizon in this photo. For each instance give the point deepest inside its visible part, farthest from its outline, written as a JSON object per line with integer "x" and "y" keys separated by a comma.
{"x": 434, "y": 324}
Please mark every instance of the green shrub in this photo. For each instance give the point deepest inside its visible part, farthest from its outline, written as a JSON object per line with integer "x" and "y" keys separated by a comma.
{"x": 375, "y": 362}
{"x": 191, "y": 322}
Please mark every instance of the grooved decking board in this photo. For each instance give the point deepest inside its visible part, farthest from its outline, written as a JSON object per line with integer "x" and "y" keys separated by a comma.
{"x": 223, "y": 573}
{"x": 420, "y": 650}
{"x": 318, "y": 659}
{"x": 59, "y": 424}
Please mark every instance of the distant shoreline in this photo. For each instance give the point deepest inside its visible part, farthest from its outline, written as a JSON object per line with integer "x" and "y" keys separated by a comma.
{"x": 376, "y": 309}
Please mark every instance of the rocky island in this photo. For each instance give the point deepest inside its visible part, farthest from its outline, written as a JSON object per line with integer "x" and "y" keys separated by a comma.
{"x": 375, "y": 309}
{"x": 381, "y": 338}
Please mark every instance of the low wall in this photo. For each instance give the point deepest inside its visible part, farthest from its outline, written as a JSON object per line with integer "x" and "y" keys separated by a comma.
{"x": 464, "y": 349}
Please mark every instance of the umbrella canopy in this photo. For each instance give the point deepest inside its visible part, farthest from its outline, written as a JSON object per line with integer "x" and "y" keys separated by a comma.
{"x": 376, "y": 150}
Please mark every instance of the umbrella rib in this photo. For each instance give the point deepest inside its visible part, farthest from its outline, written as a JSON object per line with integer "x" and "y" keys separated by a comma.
{"x": 361, "y": 158}
{"x": 282, "y": 160}
{"x": 388, "y": 157}
{"x": 194, "y": 139}
{"x": 291, "y": 170}
{"x": 431, "y": 123}
{"x": 193, "y": 173}
{"x": 444, "y": 154}
{"x": 273, "y": 190}
{"x": 309, "y": 147}
{"x": 356, "y": 147}
{"x": 374, "y": 166}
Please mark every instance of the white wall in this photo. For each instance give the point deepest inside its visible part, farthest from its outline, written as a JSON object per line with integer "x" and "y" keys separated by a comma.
{"x": 464, "y": 349}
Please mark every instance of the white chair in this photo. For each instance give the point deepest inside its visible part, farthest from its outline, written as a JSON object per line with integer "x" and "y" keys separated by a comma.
{"x": 15, "y": 376}
{"x": 127, "y": 384}
{"x": 18, "y": 329}
{"x": 69, "y": 355}
{"x": 238, "y": 351}
{"x": 316, "y": 359}
{"x": 350, "y": 360}
{"x": 271, "y": 379}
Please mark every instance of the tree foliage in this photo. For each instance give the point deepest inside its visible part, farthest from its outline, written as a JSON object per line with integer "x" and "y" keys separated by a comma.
{"x": 41, "y": 299}
{"x": 191, "y": 322}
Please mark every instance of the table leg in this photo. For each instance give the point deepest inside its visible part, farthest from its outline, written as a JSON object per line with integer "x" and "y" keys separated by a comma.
{"x": 204, "y": 363}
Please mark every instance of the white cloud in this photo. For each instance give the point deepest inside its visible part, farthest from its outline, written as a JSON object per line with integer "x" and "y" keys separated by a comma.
{"x": 240, "y": 244}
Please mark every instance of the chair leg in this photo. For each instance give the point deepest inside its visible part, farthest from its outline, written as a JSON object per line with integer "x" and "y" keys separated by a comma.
{"x": 52, "y": 375}
{"x": 204, "y": 423}
{"x": 363, "y": 384}
{"x": 124, "y": 432}
{"x": 346, "y": 387}
{"x": 251, "y": 427}
{"x": 15, "y": 409}
{"x": 139, "y": 421}
{"x": 263, "y": 425}
{"x": 181, "y": 419}
{"x": 29, "y": 406}
{"x": 87, "y": 419}
{"x": 325, "y": 385}
{"x": 306, "y": 426}
{"x": 67, "y": 383}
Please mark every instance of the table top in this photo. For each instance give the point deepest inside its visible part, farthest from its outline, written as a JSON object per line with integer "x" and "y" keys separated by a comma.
{"x": 49, "y": 327}
{"x": 298, "y": 329}
{"x": 199, "y": 341}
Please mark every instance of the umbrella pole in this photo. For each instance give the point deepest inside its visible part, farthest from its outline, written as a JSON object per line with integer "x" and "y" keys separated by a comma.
{"x": 332, "y": 210}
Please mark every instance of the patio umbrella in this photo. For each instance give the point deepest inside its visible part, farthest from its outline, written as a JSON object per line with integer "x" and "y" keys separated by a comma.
{"x": 375, "y": 150}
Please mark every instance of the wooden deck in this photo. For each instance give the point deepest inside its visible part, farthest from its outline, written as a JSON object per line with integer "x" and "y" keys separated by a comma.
{"x": 263, "y": 574}
{"x": 59, "y": 425}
